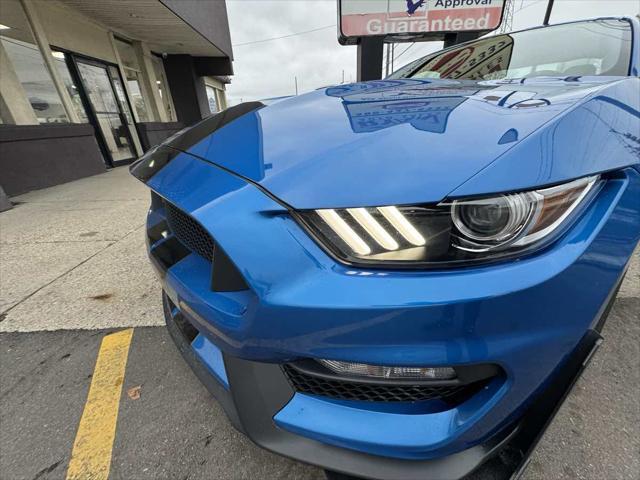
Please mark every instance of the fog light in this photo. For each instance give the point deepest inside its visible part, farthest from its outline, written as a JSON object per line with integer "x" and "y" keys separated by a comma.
{"x": 379, "y": 371}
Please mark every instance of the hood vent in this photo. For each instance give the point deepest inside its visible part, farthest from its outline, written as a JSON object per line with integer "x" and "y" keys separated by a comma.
{"x": 225, "y": 276}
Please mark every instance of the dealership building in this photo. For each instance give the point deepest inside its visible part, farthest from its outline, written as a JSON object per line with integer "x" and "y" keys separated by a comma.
{"x": 86, "y": 85}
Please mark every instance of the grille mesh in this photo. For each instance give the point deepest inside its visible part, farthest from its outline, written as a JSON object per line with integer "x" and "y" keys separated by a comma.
{"x": 345, "y": 390}
{"x": 190, "y": 233}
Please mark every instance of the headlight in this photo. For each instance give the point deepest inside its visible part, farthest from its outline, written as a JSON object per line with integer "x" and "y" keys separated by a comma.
{"x": 460, "y": 231}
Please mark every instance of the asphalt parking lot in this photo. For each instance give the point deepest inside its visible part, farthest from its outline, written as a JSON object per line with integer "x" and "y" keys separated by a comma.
{"x": 73, "y": 270}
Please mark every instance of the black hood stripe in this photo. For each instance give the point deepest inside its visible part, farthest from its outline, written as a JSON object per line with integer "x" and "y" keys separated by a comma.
{"x": 157, "y": 157}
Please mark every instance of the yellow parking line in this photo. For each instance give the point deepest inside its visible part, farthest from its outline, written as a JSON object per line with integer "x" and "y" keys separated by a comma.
{"x": 91, "y": 456}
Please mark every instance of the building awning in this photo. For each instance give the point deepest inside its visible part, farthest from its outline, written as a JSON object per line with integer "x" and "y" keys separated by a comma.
{"x": 167, "y": 26}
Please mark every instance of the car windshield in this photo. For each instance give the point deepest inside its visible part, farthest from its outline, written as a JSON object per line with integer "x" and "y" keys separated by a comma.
{"x": 596, "y": 47}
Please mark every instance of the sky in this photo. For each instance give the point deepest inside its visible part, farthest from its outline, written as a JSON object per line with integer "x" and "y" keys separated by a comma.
{"x": 270, "y": 68}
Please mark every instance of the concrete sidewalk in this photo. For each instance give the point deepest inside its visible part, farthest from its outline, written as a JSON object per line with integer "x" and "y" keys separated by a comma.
{"x": 73, "y": 257}
{"x": 73, "y": 267}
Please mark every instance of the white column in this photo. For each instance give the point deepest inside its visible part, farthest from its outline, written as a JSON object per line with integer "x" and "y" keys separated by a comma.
{"x": 223, "y": 97}
{"x": 14, "y": 105}
{"x": 45, "y": 51}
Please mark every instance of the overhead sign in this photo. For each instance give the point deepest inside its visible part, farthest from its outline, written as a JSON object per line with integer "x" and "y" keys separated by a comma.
{"x": 430, "y": 19}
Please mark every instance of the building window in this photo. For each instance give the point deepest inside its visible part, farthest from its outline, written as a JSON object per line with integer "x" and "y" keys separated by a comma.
{"x": 213, "y": 99}
{"x": 122, "y": 97}
{"x": 137, "y": 98}
{"x": 60, "y": 61}
{"x": 132, "y": 72}
{"x": 163, "y": 88}
{"x": 24, "y": 74}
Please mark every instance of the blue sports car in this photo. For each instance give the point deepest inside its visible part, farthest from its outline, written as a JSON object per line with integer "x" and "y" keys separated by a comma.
{"x": 399, "y": 279}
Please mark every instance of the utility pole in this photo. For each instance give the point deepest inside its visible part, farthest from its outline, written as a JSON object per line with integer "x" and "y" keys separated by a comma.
{"x": 296, "y": 81}
{"x": 507, "y": 16}
{"x": 342, "y": 75}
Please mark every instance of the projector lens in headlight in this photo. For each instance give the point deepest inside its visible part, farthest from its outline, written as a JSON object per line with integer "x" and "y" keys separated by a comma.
{"x": 459, "y": 231}
{"x": 379, "y": 371}
{"x": 493, "y": 219}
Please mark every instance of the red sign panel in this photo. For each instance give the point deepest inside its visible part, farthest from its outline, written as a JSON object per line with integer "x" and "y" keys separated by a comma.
{"x": 364, "y": 18}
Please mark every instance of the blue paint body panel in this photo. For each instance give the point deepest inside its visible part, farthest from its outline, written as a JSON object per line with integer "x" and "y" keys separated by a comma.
{"x": 407, "y": 142}
{"x": 552, "y": 155}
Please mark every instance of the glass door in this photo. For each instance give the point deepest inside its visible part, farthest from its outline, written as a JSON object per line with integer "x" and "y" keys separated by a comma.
{"x": 111, "y": 120}
{"x": 114, "y": 74}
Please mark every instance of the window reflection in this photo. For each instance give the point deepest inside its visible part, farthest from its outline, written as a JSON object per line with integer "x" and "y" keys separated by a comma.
{"x": 132, "y": 73}
{"x": 25, "y": 60}
{"x": 163, "y": 88}
{"x": 212, "y": 99}
{"x": 597, "y": 47}
{"x": 122, "y": 98}
{"x": 136, "y": 95}
{"x": 105, "y": 105}
{"x": 63, "y": 70}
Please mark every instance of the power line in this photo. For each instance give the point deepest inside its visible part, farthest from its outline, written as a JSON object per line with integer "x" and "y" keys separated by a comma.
{"x": 404, "y": 51}
{"x": 284, "y": 36}
{"x": 509, "y": 13}
{"x": 507, "y": 16}
{"x": 523, "y": 7}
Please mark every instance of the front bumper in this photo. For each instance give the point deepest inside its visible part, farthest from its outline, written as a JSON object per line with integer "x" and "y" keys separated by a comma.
{"x": 530, "y": 317}
{"x": 260, "y": 392}
{"x": 257, "y": 391}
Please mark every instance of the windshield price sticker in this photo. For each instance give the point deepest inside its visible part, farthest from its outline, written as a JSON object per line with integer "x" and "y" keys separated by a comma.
{"x": 477, "y": 61}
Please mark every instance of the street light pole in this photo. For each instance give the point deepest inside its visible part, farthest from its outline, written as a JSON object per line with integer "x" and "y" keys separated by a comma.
{"x": 370, "y": 50}
{"x": 393, "y": 55}
{"x": 386, "y": 66}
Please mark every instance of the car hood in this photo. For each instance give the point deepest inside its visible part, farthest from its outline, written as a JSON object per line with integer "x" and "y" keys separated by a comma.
{"x": 389, "y": 141}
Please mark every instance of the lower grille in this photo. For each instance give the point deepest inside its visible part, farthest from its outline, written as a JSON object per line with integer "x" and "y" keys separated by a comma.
{"x": 190, "y": 233}
{"x": 370, "y": 392}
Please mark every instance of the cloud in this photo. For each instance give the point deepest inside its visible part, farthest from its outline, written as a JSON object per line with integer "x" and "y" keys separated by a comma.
{"x": 268, "y": 69}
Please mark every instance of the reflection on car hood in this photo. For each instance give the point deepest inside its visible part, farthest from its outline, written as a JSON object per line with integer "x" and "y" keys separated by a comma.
{"x": 389, "y": 141}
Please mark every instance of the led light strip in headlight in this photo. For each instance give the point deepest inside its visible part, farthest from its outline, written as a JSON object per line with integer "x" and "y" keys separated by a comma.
{"x": 462, "y": 230}
{"x": 344, "y": 231}
{"x": 402, "y": 225}
{"x": 373, "y": 228}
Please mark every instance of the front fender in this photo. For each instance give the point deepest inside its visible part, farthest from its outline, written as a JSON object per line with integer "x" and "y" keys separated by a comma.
{"x": 599, "y": 134}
